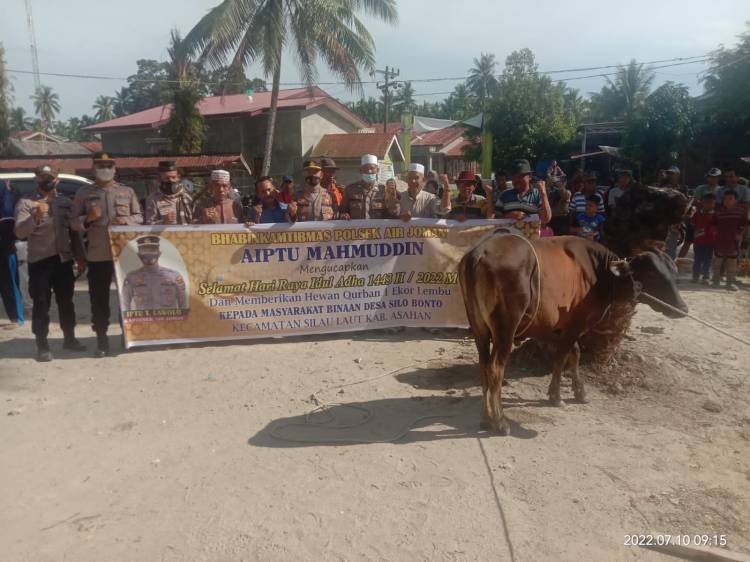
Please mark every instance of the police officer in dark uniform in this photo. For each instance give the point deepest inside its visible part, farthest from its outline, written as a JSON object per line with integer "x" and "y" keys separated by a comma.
{"x": 44, "y": 221}
{"x": 95, "y": 208}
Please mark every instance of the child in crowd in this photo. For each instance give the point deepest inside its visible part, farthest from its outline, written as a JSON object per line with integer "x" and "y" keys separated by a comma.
{"x": 703, "y": 238}
{"x": 589, "y": 223}
{"x": 730, "y": 221}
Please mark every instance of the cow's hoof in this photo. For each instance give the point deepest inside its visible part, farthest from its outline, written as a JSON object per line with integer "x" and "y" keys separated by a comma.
{"x": 556, "y": 402}
{"x": 582, "y": 399}
{"x": 501, "y": 428}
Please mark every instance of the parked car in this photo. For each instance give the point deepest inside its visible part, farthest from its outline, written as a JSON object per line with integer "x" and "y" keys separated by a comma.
{"x": 23, "y": 184}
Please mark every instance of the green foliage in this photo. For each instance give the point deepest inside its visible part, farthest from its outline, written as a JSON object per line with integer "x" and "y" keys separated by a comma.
{"x": 530, "y": 116}
{"x": 104, "y": 107}
{"x": 658, "y": 133}
{"x": 482, "y": 82}
{"x": 724, "y": 109}
{"x": 46, "y": 106}
{"x": 185, "y": 128}
{"x": 369, "y": 109}
{"x": 622, "y": 97}
{"x": 19, "y": 121}
{"x": 244, "y": 31}
{"x": 72, "y": 129}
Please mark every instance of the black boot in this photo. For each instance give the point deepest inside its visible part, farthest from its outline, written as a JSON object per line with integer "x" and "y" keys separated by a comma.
{"x": 71, "y": 343}
{"x": 102, "y": 345}
{"x": 43, "y": 354}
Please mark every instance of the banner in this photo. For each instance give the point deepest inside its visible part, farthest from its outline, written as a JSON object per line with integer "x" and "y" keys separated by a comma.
{"x": 222, "y": 282}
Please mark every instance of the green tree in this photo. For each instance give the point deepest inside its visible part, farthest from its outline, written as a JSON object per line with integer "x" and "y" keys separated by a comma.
{"x": 659, "y": 133}
{"x": 46, "y": 106}
{"x": 259, "y": 30}
{"x": 529, "y": 116}
{"x": 19, "y": 121}
{"x": 148, "y": 85}
{"x": 724, "y": 108}
{"x": 482, "y": 82}
{"x": 5, "y": 102}
{"x": 403, "y": 101}
{"x": 622, "y": 97}
{"x": 185, "y": 128}
{"x": 105, "y": 108}
{"x": 123, "y": 101}
{"x": 369, "y": 109}
{"x": 459, "y": 105}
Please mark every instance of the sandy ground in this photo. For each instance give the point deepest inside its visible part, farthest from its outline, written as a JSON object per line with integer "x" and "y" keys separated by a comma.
{"x": 175, "y": 454}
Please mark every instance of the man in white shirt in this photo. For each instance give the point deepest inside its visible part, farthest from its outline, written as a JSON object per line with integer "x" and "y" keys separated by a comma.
{"x": 416, "y": 202}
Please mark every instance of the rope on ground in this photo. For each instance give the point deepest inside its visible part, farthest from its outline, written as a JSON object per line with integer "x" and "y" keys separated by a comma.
{"x": 497, "y": 500}
{"x": 323, "y": 406}
{"x": 707, "y": 324}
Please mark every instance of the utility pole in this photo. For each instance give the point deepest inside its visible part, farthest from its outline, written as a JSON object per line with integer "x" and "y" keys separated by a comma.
{"x": 389, "y": 74}
{"x": 32, "y": 39}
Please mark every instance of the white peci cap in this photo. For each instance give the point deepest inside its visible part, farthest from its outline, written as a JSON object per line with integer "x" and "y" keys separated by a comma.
{"x": 368, "y": 159}
{"x": 220, "y": 175}
{"x": 414, "y": 167}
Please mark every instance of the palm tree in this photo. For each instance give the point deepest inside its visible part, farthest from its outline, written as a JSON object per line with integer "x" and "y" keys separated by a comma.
{"x": 621, "y": 97}
{"x": 250, "y": 30}
{"x": 19, "y": 121}
{"x": 405, "y": 98}
{"x": 46, "y": 106}
{"x": 482, "y": 81}
{"x": 104, "y": 107}
{"x": 185, "y": 128}
{"x": 122, "y": 100}
{"x": 459, "y": 103}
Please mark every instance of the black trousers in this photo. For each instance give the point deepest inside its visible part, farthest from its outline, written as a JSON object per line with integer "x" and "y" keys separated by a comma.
{"x": 45, "y": 276}
{"x": 100, "y": 277}
{"x": 9, "y": 284}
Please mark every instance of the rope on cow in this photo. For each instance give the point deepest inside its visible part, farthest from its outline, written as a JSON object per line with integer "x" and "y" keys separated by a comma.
{"x": 538, "y": 285}
{"x": 707, "y": 324}
{"x": 323, "y": 406}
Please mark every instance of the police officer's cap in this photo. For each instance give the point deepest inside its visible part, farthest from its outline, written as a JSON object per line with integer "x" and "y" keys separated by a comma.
{"x": 102, "y": 158}
{"x": 167, "y": 166}
{"x": 148, "y": 244}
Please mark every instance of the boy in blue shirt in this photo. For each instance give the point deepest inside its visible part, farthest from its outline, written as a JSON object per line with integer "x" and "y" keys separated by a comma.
{"x": 589, "y": 224}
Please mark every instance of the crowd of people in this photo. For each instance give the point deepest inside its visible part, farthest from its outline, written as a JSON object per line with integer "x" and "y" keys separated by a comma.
{"x": 55, "y": 226}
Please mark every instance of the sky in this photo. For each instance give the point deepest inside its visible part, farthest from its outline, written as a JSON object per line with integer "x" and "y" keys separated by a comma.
{"x": 434, "y": 39}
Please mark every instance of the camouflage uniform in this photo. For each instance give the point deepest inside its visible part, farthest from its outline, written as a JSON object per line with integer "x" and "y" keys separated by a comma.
{"x": 316, "y": 205}
{"x": 361, "y": 202}
{"x": 159, "y": 205}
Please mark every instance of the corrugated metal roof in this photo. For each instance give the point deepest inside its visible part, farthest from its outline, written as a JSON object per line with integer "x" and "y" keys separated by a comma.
{"x": 457, "y": 150}
{"x": 354, "y": 145}
{"x": 439, "y": 137}
{"x": 236, "y": 104}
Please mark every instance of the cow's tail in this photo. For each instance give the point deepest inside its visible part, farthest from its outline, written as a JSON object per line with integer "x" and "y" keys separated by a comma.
{"x": 468, "y": 275}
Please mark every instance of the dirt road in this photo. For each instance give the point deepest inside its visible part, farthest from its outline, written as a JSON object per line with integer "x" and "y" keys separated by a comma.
{"x": 205, "y": 453}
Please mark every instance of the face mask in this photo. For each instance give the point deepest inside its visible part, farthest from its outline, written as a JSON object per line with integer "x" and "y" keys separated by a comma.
{"x": 312, "y": 180}
{"x": 170, "y": 187}
{"x": 369, "y": 178}
{"x": 105, "y": 174}
{"x": 46, "y": 185}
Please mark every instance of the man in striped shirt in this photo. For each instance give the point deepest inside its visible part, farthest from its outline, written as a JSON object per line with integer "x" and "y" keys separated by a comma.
{"x": 579, "y": 200}
{"x": 524, "y": 199}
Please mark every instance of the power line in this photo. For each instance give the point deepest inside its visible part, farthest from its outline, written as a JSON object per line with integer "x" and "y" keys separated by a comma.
{"x": 682, "y": 60}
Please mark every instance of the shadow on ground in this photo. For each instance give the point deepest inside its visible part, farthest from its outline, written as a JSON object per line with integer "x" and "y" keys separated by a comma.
{"x": 394, "y": 420}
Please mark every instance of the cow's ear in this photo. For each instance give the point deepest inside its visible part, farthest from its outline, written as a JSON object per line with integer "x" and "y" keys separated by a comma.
{"x": 620, "y": 268}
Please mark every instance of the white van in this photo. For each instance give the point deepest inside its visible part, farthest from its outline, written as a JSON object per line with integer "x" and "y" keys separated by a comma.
{"x": 23, "y": 184}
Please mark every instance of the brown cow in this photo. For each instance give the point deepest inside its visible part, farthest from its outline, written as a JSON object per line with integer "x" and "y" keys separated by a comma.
{"x": 552, "y": 290}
